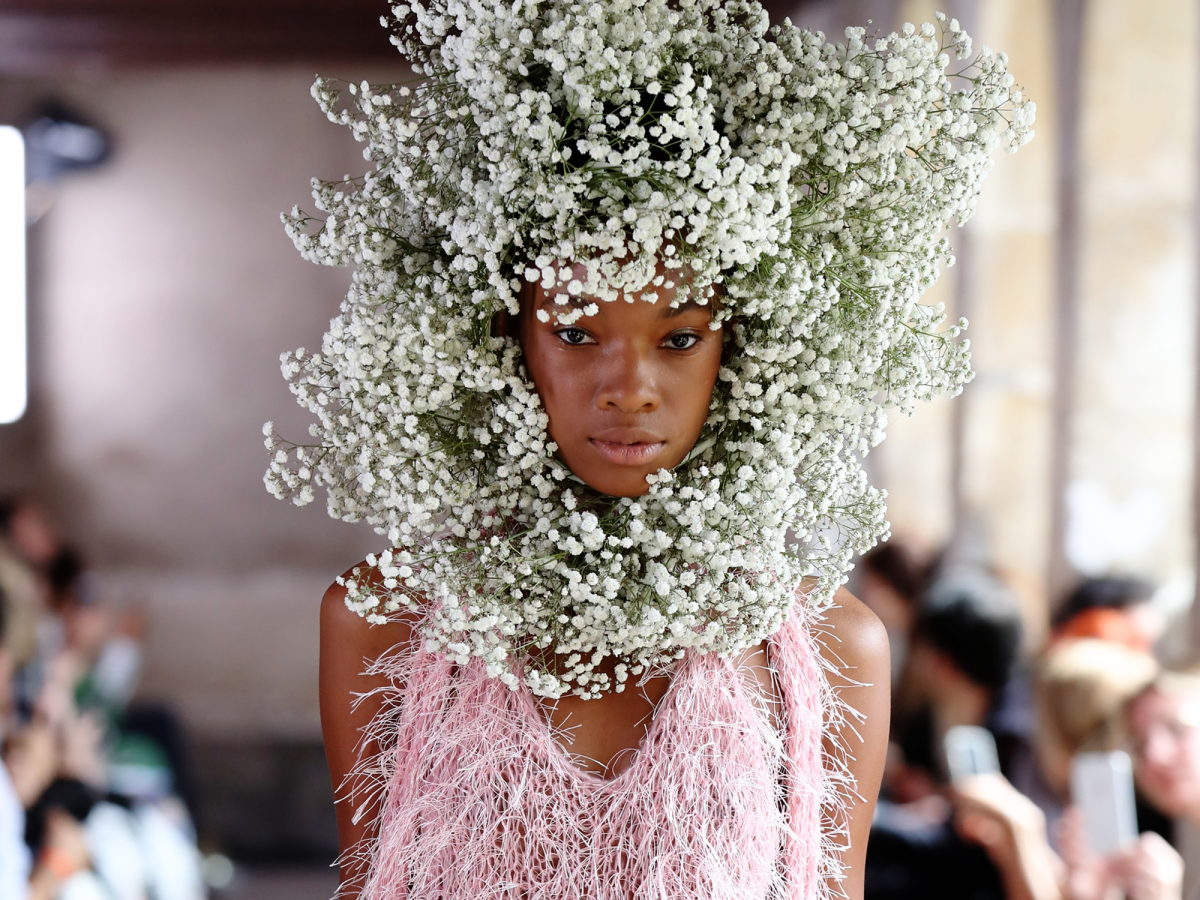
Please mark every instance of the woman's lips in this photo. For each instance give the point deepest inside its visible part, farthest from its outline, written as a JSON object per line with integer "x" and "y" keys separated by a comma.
{"x": 637, "y": 453}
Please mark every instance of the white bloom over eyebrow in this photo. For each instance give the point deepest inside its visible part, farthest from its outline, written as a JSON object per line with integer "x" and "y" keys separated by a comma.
{"x": 810, "y": 181}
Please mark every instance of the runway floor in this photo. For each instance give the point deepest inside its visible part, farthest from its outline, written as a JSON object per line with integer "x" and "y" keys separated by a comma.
{"x": 280, "y": 884}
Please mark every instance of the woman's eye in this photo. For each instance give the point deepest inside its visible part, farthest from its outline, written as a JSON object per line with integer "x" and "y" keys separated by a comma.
{"x": 574, "y": 336}
{"x": 683, "y": 341}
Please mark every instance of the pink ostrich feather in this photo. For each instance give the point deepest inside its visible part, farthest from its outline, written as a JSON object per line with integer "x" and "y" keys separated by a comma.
{"x": 477, "y": 798}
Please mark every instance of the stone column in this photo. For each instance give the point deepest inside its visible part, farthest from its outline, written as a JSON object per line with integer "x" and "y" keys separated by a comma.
{"x": 984, "y": 488}
{"x": 1130, "y": 464}
{"x": 1010, "y": 272}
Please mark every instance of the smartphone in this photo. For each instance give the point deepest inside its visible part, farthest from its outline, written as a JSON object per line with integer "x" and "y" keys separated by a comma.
{"x": 970, "y": 750}
{"x": 1102, "y": 788}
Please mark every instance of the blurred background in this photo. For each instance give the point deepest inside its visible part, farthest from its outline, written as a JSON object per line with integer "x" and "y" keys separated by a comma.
{"x": 153, "y": 583}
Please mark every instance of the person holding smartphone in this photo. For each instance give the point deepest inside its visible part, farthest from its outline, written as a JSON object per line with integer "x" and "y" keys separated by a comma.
{"x": 1164, "y": 728}
{"x": 1082, "y": 689}
{"x": 1162, "y": 723}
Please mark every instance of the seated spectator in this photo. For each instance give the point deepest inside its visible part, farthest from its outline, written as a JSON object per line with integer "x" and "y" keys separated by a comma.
{"x": 29, "y": 548}
{"x": 1167, "y": 766}
{"x": 965, "y": 645}
{"x": 27, "y": 531}
{"x": 15, "y": 861}
{"x": 23, "y": 591}
{"x": 1118, "y": 610}
{"x": 1164, "y": 726}
{"x": 28, "y": 762}
{"x": 1081, "y": 688}
{"x": 891, "y": 582}
{"x": 87, "y": 782}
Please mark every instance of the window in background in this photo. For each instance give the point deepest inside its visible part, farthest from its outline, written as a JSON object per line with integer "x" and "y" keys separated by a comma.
{"x": 13, "y": 366}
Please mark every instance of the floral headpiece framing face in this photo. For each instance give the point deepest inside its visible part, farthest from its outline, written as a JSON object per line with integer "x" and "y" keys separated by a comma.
{"x": 811, "y": 181}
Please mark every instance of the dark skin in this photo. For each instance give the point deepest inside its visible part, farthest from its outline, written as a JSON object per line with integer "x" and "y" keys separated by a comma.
{"x": 627, "y": 393}
{"x": 627, "y": 389}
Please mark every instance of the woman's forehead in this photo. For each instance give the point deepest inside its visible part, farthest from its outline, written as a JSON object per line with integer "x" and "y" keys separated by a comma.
{"x": 1154, "y": 705}
{"x": 662, "y": 303}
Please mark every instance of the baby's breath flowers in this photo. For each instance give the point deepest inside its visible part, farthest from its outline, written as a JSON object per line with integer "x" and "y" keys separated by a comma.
{"x": 811, "y": 181}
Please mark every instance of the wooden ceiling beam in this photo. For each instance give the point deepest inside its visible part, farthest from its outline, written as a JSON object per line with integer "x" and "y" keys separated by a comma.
{"x": 51, "y": 36}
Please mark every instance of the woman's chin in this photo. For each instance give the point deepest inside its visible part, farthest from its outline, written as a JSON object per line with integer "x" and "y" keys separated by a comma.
{"x": 612, "y": 481}
{"x": 603, "y": 476}
{"x": 618, "y": 487}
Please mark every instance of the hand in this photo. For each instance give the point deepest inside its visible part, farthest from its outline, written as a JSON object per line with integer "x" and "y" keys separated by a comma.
{"x": 1088, "y": 876}
{"x": 1151, "y": 869}
{"x": 56, "y": 700}
{"x": 1012, "y": 830}
{"x": 83, "y": 749}
{"x": 32, "y": 760}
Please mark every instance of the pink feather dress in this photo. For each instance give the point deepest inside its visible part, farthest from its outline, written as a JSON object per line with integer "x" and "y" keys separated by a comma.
{"x": 479, "y": 800}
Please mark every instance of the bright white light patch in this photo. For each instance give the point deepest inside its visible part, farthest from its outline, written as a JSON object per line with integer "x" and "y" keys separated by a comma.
{"x": 12, "y": 275}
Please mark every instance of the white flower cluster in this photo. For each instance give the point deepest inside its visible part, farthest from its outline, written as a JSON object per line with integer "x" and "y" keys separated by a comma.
{"x": 811, "y": 181}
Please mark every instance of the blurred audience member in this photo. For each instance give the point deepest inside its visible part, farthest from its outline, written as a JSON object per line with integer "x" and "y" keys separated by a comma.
{"x": 990, "y": 835}
{"x": 87, "y": 781}
{"x": 21, "y": 592}
{"x": 27, "y": 530}
{"x": 28, "y": 548}
{"x": 15, "y": 862}
{"x": 1082, "y": 684}
{"x": 891, "y": 582}
{"x": 1118, "y": 610}
{"x": 1081, "y": 689}
{"x": 964, "y": 648}
{"x": 1164, "y": 727}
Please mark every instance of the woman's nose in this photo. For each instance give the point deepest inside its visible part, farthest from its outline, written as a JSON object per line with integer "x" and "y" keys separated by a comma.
{"x": 628, "y": 381}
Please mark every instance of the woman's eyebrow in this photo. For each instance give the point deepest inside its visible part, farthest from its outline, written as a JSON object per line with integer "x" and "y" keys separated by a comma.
{"x": 669, "y": 312}
{"x": 550, "y": 301}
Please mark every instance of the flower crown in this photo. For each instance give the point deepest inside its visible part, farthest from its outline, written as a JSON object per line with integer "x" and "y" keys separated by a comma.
{"x": 811, "y": 181}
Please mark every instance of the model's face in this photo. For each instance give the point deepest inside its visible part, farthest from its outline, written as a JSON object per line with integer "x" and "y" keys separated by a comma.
{"x": 627, "y": 390}
{"x": 1165, "y": 727}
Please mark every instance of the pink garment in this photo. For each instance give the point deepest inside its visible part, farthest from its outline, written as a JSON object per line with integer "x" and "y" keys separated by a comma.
{"x": 480, "y": 800}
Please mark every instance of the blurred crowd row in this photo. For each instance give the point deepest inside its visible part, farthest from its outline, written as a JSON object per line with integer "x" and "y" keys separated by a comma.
{"x": 93, "y": 787}
{"x": 95, "y": 799}
{"x": 959, "y": 660}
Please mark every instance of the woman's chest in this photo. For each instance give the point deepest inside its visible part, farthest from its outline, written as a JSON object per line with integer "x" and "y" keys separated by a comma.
{"x": 696, "y": 803}
{"x": 604, "y": 735}
{"x": 714, "y": 792}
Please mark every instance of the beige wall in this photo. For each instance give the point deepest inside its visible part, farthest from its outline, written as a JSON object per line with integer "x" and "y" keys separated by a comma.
{"x": 1129, "y": 499}
{"x": 167, "y": 290}
{"x": 1004, "y": 274}
{"x": 1007, "y": 427}
{"x": 1130, "y": 445}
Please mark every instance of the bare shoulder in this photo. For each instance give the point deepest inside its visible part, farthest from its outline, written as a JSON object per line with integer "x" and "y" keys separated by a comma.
{"x": 350, "y": 699}
{"x": 343, "y": 631}
{"x": 855, "y": 640}
{"x": 856, "y": 644}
